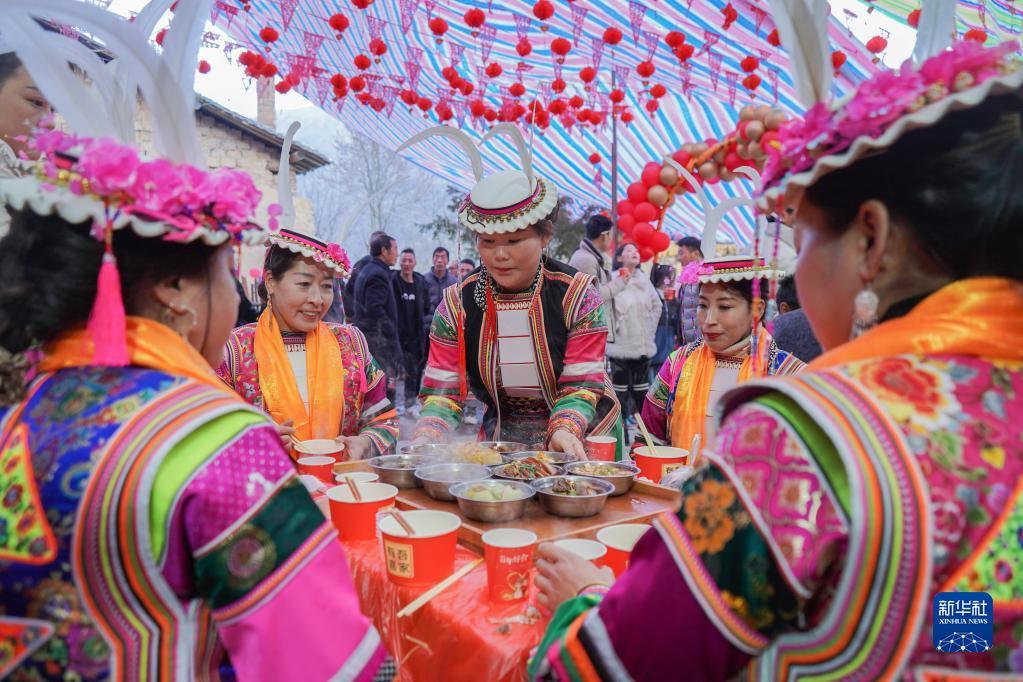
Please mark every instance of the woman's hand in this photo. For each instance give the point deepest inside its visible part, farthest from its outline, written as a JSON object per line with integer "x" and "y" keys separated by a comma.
{"x": 358, "y": 447}
{"x": 284, "y": 431}
{"x": 561, "y": 574}
{"x": 566, "y": 441}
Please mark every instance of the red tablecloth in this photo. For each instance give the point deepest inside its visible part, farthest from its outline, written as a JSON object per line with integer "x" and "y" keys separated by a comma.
{"x": 452, "y": 637}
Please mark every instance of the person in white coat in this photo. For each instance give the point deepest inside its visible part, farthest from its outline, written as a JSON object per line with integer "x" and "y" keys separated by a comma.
{"x": 638, "y": 308}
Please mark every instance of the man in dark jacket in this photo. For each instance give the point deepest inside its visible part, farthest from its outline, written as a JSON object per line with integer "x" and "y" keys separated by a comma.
{"x": 376, "y": 307}
{"x": 412, "y": 294}
{"x": 792, "y": 330}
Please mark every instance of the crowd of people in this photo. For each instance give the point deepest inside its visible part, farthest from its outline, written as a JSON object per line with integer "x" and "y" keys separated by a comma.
{"x": 862, "y": 454}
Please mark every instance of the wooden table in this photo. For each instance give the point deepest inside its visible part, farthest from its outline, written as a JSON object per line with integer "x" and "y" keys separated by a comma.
{"x": 460, "y": 635}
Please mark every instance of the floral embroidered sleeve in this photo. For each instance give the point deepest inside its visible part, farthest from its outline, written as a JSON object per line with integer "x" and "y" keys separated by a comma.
{"x": 441, "y": 390}
{"x": 582, "y": 378}
{"x": 655, "y": 405}
{"x": 232, "y": 526}
{"x": 749, "y": 557}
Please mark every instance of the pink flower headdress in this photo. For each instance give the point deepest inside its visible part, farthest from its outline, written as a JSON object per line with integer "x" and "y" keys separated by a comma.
{"x": 883, "y": 108}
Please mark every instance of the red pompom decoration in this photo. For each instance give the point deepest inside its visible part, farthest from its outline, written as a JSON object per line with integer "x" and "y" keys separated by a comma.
{"x": 424, "y": 103}
{"x": 558, "y": 85}
{"x": 561, "y": 46}
{"x": 612, "y": 36}
{"x": 773, "y": 38}
{"x": 467, "y": 88}
{"x": 674, "y": 39}
{"x": 645, "y": 69}
{"x": 587, "y": 74}
{"x": 494, "y": 69}
{"x": 730, "y": 16}
{"x": 684, "y": 51}
{"x": 268, "y": 35}
{"x": 357, "y": 83}
{"x": 657, "y": 90}
{"x": 339, "y": 81}
{"x": 977, "y": 35}
{"x": 268, "y": 71}
{"x": 162, "y": 33}
{"x": 749, "y": 63}
{"x": 283, "y": 87}
{"x": 576, "y": 102}
{"x": 517, "y": 89}
{"x": 652, "y": 106}
{"x": 594, "y": 158}
{"x": 204, "y": 66}
{"x": 543, "y": 10}
{"x": 751, "y": 82}
{"x": 913, "y": 18}
{"x": 627, "y": 117}
{"x": 475, "y": 17}
{"x": 557, "y": 106}
{"x": 524, "y": 47}
{"x": 362, "y": 62}
{"x": 477, "y": 108}
{"x": 378, "y": 47}
{"x": 616, "y": 96}
{"x": 837, "y": 59}
{"x": 438, "y": 26}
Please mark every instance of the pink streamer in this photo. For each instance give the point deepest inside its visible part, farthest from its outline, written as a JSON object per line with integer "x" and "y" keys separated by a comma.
{"x": 288, "y": 8}
{"x": 598, "y": 51}
{"x": 375, "y": 26}
{"x": 732, "y": 79}
{"x": 457, "y": 51}
{"x": 312, "y": 43}
{"x": 651, "y": 39}
{"x": 408, "y": 13}
{"x": 714, "y": 60}
{"x": 637, "y": 12}
{"x": 578, "y": 20}
{"x": 522, "y": 24}
{"x": 488, "y": 34}
{"x": 323, "y": 88}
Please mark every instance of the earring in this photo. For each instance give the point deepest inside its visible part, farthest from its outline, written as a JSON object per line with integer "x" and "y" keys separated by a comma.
{"x": 864, "y": 311}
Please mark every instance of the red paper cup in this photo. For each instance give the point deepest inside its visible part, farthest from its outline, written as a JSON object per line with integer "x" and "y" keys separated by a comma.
{"x": 509, "y": 556}
{"x": 590, "y": 550}
{"x": 619, "y": 540}
{"x": 327, "y": 447}
{"x": 601, "y": 448}
{"x": 657, "y": 463}
{"x": 357, "y": 476}
{"x": 426, "y": 557}
{"x": 320, "y": 466}
{"x": 358, "y": 520}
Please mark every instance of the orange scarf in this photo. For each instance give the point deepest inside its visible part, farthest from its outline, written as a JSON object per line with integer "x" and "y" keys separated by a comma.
{"x": 978, "y": 317}
{"x": 325, "y": 376}
{"x": 150, "y": 344}
{"x": 692, "y": 390}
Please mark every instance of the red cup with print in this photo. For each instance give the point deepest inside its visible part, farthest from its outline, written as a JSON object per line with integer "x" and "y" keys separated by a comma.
{"x": 656, "y": 463}
{"x": 619, "y": 540}
{"x": 357, "y": 520}
{"x": 601, "y": 448}
{"x": 428, "y": 555}
{"x": 320, "y": 466}
{"x": 509, "y": 556}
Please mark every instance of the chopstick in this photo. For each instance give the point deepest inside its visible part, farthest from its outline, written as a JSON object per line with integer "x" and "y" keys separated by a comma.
{"x": 356, "y": 495}
{"x": 422, "y": 599}
{"x": 403, "y": 522}
{"x": 694, "y": 451}
{"x": 646, "y": 435}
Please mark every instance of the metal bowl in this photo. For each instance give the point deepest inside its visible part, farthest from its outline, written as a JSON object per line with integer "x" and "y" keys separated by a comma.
{"x": 573, "y": 506}
{"x": 492, "y": 512}
{"x": 427, "y": 449}
{"x": 398, "y": 470}
{"x": 550, "y": 457}
{"x": 622, "y": 482}
{"x": 503, "y": 446}
{"x": 436, "y": 479}
{"x": 498, "y": 472}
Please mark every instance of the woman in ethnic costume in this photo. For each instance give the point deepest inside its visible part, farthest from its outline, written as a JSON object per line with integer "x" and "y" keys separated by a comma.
{"x": 734, "y": 347}
{"x": 524, "y": 332}
{"x": 837, "y": 504}
{"x": 151, "y": 526}
{"x": 316, "y": 380}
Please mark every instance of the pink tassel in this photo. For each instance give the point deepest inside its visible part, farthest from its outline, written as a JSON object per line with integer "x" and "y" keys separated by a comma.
{"x": 107, "y": 322}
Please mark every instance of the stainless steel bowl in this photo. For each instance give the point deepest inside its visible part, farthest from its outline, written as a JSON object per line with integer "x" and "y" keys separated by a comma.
{"x": 498, "y": 472}
{"x": 622, "y": 482}
{"x": 503, "y": 446}
{"x": 398, "y": 470}
{"x": 492, "y": 512}
{"x": 436, "y": 479}
{"x": 573, "y": 506}
{"x": 427, "y": 449}
{"x": 558, "y": 458}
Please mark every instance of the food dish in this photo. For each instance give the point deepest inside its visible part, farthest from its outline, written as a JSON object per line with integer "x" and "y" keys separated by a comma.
{"x": 436, "y": 479}
{"x": 572, "y": 496}
{"x": 621, "y": 475}
{"x": 526, "y": 469}
{"x": 398, "y": 470}
{"x": 500, "y": 492}
{"x": 492, "y": 511}
{"x": 476, "y": 453}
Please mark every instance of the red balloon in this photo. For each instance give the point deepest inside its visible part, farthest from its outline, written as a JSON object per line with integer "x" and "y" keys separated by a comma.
{"x": 626, "y": 223}
{"x": 438, "y": 26}
{"x": 543, "y": 10}
{"x": 490, "y": 115}
{"x": 643, "y": 233}
{"x": 626, "y": 207}
{"x": 645, "y": 212}
{"x": 612, "y": 36}
{"x": 651, "y": 174}
{"x": 636, "y": 192}
{"x": 660, "y": 241}
{"x": 645, "y": 253}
